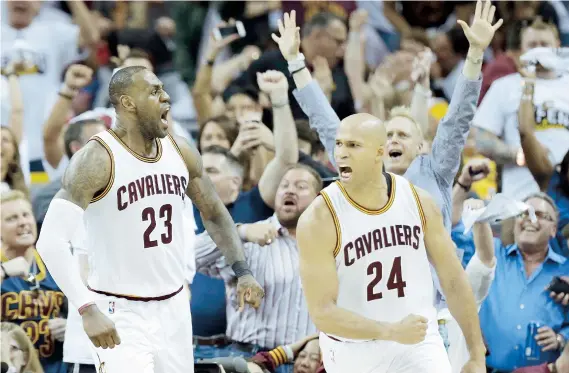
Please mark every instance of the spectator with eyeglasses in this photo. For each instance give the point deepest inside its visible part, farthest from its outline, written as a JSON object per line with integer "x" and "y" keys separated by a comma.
{"x": 518, "y": 294}
{"x": 31, "y": 298}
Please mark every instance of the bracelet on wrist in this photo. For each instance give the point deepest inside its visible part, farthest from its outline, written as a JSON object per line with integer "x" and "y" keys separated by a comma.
{"x": 476, "y": 61}
{"x": 241, "y": 268}
{"x": 466, "y": 188}
{"x": 210, "y": 62}
{"x": 297, "y": 70}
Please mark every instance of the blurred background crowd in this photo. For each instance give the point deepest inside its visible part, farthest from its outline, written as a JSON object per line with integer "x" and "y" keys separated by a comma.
{"x": 394, "y": 59}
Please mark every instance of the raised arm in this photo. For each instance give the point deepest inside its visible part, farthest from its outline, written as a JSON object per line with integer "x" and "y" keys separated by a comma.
{"x": 219, "y": 224}
{"x": 308, "y": 93}
{"x": 455, "y": 286}
{"x": 76, "y": 77}
{"x": 275, "y": 84}
{"x": 89, "y": 35}
{"x": 316, "y": 236}
{"x": 481, "y": 268}
{"x": 476, "y": 169}
{"x": 88, "y": 173}
{"x": 538, "y": 161}
{"x": 452, "y": 131}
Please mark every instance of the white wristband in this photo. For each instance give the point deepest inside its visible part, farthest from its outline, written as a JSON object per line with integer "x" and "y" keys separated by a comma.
{"x": 289, "y": 353}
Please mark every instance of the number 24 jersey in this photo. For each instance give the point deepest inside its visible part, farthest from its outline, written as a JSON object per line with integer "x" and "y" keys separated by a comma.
{"x": 381, "y": 260}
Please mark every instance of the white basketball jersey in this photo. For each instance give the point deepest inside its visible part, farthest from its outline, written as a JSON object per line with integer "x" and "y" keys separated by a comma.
{"x": 381, "y": 260}
{"x": 135, "y": 227}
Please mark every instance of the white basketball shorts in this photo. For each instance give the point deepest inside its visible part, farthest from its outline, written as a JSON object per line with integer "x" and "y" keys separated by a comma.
{"x": 428, "y": 356}
{"x": 156, "y": 336}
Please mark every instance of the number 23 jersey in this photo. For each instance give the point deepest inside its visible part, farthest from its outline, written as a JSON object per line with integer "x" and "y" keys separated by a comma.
{"x": 135, "y": 226}
{"x": 381, "y": 260}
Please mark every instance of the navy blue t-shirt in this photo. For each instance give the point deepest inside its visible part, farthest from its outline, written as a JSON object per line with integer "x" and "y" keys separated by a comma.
{"x": 31, "y": 309}
{"x": 208, "y": 294}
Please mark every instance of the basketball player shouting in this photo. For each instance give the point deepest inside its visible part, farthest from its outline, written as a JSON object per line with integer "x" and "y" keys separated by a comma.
{"x": 365, "y": 244}
{"x": 128, "y": 186}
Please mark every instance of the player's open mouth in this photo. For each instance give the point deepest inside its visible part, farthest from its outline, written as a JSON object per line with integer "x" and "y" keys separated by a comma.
{"x": 164, "y": 116}
{"x": 345, "y": 172}
{"x": 395, "y": 154}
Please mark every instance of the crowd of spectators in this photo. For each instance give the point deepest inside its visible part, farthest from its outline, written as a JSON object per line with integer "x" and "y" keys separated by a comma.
{"x": 462, "y": 126}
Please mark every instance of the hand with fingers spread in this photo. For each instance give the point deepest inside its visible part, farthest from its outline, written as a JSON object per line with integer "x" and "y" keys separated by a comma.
{"x": 481, "y": 32}
{"x": 547, "y": 339}
{"x": 249, "y": 291}
{"x": 99, "y": 328}
{"x": 289, "y": 39}
{"x": 216, "y": 46}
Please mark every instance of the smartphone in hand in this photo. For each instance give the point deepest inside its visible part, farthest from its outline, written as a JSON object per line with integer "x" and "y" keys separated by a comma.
{"x": 223, "y": 32}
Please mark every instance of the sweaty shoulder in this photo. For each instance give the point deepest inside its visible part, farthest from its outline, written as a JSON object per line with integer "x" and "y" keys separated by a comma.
{"x": 316, "y": 229}
{"x": 89, "y": 173}
{"x": 191, "y": 156}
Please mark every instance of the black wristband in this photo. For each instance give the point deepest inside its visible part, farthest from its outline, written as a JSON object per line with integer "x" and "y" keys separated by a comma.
{"x": 210, "y": 62}
{"x": 295, "y": 71}
{"x": 466, "y": 189}
{"x": 241, "y": 268}
{"x": 66, "y": 96}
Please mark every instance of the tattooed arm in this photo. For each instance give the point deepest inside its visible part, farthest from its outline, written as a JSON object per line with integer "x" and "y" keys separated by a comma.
{"x": 489, "y": 145}
{"x": 219, "y": 224}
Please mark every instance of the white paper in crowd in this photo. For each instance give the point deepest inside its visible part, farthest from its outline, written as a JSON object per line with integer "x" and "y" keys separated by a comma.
{"x": 500, "y": 208}
{"x": 554, "y": 59}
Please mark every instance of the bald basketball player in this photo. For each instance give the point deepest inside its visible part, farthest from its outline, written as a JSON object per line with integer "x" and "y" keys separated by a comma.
{"x": 365, "y": 246}
{"x": 129, "y": 185}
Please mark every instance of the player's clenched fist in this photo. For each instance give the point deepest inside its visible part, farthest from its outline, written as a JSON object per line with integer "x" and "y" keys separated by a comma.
{"x": 249, "y": 291}
{"x": 410, "y": 330}
{"x": 78, "y": 76}
{"x": 99, "y": 328}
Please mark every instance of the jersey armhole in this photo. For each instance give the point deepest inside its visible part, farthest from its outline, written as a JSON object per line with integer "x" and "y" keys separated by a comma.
{"x": 103, "y": 192}
{"x": 336, "y": 222}
{"x": 419, "y": 206}
{"x": 177, "y": 148}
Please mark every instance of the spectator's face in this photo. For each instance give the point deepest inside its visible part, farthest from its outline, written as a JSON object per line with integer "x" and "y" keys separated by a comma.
{"x": 295, "y": 192}
{"x": 403, "y": 144}
{"x": 12, "y": 354}
{"x": 213, "y": 134}
{"x": 22, "y": 13}
{"x": 308, "y": 360}
{"x": 18, "y": 224}
{"x": 227, "y": 184}
{"x": 135, "y": 61}
{"x": 88, "y": 132}
{"x": 532, "y": 38}
{"x": 531, "y": 236}
{"x": 446, "y": 57}
{"x": 7, "y": 150}
{"x": 240, "y": 104}
{"x": 151, "y": 104}
{"x": 328, "y": 42}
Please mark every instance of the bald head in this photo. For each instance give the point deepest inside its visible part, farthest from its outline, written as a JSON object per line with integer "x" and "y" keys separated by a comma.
{"x": 365, "y": 126}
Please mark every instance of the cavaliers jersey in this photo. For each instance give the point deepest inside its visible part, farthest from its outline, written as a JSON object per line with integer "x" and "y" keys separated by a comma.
{"x": 135, "y": 226}
{"x": 381, "y": 260}
{"x": 31, "y": 304}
